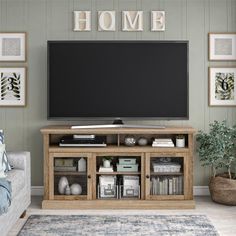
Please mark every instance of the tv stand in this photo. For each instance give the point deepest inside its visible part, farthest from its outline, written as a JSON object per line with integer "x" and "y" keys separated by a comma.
{"x": 117, "y": 123}
{"x": 180, "y": 196}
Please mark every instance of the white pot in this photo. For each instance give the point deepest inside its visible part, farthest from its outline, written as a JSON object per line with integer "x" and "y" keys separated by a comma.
{"x": 180, "y": 142}
{"x": 106, "y": 163}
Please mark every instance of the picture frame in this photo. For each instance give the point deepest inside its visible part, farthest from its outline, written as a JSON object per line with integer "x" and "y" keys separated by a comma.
{"x": 13, "y": 86}
{"x": 13, "y": 46}
{"x": 222, "y": 81}
{"x": 222, "y": 46}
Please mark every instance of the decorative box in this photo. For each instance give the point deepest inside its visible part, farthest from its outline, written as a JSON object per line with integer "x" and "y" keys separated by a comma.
{"x": 125, "y": 161}
{"x": 127, "y": 167}
{"x": 166, "y": 167}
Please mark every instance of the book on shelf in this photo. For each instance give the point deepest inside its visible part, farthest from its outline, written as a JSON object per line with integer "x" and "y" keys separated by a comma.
{"x": 106, "y": 169}
{"x": 64, "y": 162}
{"x": 65, "y": 168}
{"x": 166, "y": 185}
{"x": 163, "y": 143}
{"x": 163, "y": 140}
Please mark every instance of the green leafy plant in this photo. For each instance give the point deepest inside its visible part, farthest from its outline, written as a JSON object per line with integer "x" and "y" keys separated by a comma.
{"x": 180, "y": 136}
{"x": 218, "y": 147}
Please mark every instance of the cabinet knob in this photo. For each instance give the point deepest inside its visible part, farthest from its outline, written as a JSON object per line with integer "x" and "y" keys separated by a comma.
{"x": 147, "y": 176}
{"x": 89, "y": 176}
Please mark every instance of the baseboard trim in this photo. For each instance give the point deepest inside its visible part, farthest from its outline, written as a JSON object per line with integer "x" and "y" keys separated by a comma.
{"x": 197, "y": 191}
{"x": 37, "y": 190}
{"x": 201, "y": 191}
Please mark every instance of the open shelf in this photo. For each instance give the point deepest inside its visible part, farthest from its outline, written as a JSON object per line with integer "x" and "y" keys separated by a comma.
{"x": 70, "y": 197}
{"x": 167, "y": 197}
{"x": 118, "y": 173}
{"x": 114, "y": 148}
{"x": 166, "y": 173}
{"x": 69, "y": 173}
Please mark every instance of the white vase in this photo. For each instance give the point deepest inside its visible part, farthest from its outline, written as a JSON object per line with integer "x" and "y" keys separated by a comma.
{"x": 75, "y": 189}
{"x": 106, "y": 163}
{"x": 67, "y": 191}
{"x": 63, "y": 183}
{"x": 82, "y": 165}
{"x": 180, "y": 142}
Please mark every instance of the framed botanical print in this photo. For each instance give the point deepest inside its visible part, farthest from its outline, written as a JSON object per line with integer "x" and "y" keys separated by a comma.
{"x": 12, "y": 86}
{"x": 222, "y": 46}
{"x": 222, "y": 86}
{"x": 13, "y": 47}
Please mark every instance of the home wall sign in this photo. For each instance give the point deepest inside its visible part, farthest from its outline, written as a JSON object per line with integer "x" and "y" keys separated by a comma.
{"x": 131, "y": 20}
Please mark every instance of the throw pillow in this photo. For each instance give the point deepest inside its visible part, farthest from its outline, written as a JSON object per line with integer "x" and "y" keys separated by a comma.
{"x": 3, "y": 154}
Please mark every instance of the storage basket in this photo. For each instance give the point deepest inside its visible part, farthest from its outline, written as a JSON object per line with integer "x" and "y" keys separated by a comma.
{"x": 166, "y": 167}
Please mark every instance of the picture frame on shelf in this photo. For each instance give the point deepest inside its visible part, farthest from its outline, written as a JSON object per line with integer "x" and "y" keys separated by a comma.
{"x": 222, "y": 86}
{"x": 13, "y": 47}
{"x": 222, "y": 46}
{"x": 13, "y": 86}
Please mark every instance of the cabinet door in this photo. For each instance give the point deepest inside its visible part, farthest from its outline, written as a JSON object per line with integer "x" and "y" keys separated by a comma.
{"x": 70, "y": 176}
{"x": 167, "y": 176}
{"x": 125, "y": 174}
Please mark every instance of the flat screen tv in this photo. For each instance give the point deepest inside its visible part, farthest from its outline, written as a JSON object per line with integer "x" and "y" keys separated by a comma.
{"x": 118, "y": 79}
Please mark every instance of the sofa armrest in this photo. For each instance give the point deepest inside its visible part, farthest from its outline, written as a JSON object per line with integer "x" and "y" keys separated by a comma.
{"x": 19, "y": 160}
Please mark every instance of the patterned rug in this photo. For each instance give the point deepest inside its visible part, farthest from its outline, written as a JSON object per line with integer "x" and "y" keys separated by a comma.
{"x": 129, "y": 225}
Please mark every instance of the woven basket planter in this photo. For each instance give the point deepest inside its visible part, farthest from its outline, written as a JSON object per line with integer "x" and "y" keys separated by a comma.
{"x": 223, "y": 190}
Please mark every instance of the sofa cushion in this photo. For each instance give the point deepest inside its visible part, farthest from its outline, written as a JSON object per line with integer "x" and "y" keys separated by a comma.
{"x": 17, "y": 178}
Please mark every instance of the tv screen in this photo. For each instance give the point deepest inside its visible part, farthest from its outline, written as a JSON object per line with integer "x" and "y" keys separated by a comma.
{"x": 118, "y": 79}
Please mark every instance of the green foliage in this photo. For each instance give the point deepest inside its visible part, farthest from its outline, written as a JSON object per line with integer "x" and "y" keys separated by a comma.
{"x": 218, "y": 147}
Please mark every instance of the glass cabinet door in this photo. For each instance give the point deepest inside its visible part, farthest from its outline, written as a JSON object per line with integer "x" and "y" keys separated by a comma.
{"x": 70, "y": 176}
{"x": 119, "y": 176}
{"x": 165, "y": 176}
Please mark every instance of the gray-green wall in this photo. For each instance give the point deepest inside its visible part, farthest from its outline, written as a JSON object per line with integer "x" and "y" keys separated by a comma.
{"x": 51, "y": 20}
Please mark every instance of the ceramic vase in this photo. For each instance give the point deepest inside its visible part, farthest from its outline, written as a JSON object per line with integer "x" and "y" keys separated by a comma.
{"x": 75, "y": 189}
{"x": 180, "y": 142}
{"x": 106, "y": 163}
{"x": 63, "y": 183}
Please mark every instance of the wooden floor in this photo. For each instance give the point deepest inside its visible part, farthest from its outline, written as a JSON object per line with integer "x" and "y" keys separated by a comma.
{"x": 222, "y": 217}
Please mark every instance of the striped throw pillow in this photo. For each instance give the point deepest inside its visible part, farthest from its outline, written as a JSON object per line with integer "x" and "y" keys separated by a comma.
{"x": 3, "y": 155}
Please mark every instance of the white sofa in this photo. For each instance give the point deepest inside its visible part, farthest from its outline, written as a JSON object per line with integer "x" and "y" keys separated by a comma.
{"x": 20, "y": 182}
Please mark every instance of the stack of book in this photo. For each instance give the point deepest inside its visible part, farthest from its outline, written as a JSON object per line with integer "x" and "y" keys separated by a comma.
{"x": 106, "y": 169}
{"x": 166, "y": 185}
{"x": 163, "y": 142}
{"x": 64, "y": 165}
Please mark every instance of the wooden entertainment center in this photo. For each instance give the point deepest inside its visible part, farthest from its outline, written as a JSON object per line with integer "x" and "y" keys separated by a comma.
{"x": 144, "y": 156}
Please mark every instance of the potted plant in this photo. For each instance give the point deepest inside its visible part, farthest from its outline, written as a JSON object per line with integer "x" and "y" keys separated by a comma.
{"x": 107, "y": 161}
{"x": 217, "y": 149}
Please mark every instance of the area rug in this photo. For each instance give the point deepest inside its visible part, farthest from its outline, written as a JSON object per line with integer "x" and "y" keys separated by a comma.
{"x": 130, "y": 225}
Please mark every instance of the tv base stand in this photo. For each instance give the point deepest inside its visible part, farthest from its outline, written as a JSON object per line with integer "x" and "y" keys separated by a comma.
{"x": 118, "y": 124}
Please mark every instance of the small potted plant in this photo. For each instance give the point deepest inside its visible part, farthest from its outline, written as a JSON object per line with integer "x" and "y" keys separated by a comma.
{"x": 180, "y": 140}
{"x": 107, "y": 161}
{"x": 217, "y": 149}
